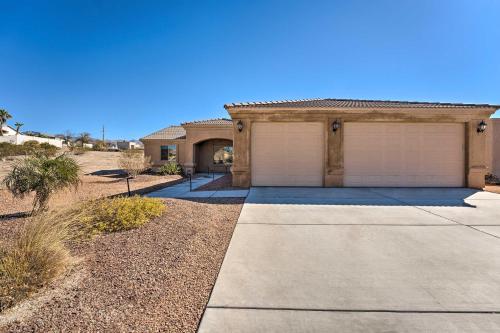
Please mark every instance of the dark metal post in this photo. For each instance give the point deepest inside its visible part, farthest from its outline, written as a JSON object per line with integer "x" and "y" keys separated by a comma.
{"x": 128, "y": 186}
{"x": 190, "y": 184}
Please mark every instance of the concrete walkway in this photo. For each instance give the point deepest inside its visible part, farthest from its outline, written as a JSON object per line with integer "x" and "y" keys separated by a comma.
{"x": 182, "y": 190}
{"x": 361, "y": 260}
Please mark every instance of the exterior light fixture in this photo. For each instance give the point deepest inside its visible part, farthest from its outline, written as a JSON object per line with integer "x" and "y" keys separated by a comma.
{"x": 239, "y": 125}
{"x": 335, "y": 126}
{"x": 481, "y": 127}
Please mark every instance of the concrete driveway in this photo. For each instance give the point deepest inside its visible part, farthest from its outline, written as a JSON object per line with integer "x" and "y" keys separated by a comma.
{"x": 361, "y": 260}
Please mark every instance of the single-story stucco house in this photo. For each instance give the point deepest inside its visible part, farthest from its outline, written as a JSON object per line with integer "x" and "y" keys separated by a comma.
{"x": 335, "y": 143}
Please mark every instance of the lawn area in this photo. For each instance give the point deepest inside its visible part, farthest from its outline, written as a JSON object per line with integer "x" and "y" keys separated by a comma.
{"x": 158, "y": 276}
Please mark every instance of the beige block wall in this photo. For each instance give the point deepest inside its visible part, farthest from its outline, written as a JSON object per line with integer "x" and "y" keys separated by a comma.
{"x": 152, "y": 148}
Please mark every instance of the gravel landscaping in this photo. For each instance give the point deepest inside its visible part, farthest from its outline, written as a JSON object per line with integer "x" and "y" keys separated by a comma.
{"x": 154, "y": 278}
{"x": 92, "y": 187}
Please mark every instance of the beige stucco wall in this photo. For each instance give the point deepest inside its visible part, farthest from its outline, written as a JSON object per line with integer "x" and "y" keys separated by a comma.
{"x": 196, "y": 134}
{"x": 152, "y": 149}
{"x": 476, "y": 151}
{"x": 493, "y": 146}
{"x": 186, "y": 148}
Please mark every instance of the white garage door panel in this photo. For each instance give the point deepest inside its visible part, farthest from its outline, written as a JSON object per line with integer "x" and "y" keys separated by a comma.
{"x": 287, "y": 154}
{"x": 403, "y": 154}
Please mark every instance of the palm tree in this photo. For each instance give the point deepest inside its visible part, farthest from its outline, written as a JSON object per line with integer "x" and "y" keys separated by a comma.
{"x": 4, "y": 115}
{"x": 42, "y": 175}
{"x": 84, "y": 138}
{"x": 18, "y": 126}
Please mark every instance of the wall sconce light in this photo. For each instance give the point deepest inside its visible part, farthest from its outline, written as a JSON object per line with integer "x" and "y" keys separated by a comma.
{"x": 239, "y": 125}
{"x": 481, "y": 127}
{"x": 335, "y": 126}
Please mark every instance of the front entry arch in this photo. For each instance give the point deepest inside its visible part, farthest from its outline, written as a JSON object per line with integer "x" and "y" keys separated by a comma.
{"x": 213, "y": 155}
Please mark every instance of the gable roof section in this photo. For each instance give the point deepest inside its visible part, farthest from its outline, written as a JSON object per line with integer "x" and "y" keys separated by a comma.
{"x": 167, "y": 133}
{"x": 328, "y": 103}
{"x": 210, "y": 122}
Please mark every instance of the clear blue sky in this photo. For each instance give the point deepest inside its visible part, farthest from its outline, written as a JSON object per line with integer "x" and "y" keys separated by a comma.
{"x": 139, "y": 66}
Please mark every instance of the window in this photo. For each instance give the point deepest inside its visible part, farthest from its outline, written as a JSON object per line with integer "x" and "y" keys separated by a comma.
{"x": 223, "y": 154}
{"x": 169, "y": 153}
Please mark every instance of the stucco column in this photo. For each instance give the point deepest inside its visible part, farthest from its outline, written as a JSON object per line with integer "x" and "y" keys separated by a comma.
{"x": 334, "y": 176}
{"x": 241, "y": 152}
{"x": 476, "y": 155}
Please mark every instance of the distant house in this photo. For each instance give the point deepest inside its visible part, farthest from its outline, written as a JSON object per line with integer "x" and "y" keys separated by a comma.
{"x": 10, "y": 135}
{"x": 126, "y": 145}
{"x": 111, "y": 145}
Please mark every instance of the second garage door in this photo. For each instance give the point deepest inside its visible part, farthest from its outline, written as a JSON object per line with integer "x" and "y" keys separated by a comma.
{"x": 404, "y": 154}
{"x": 287, "y": 154}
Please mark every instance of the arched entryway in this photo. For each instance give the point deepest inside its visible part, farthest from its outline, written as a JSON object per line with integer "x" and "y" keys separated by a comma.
{"x": 214, "y": 155}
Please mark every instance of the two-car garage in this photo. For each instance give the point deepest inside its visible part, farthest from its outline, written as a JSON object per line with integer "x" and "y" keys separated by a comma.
{"x": 392, "y": 154}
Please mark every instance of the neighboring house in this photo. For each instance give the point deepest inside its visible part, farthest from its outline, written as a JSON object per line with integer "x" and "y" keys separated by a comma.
{"x": 88, "y": 145}
{"x": 111, "y": 145}
{"x": 8, "y": 131}
{"x": 126, "y": 145}
{"x": 493, "y": 146}
{"x": 337, "y": 143}
{"x": 10, "y": 135}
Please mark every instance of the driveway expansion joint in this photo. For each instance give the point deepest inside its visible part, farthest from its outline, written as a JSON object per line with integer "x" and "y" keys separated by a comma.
{"x": 222, "y": 307}
{"x": 435, "y": 214}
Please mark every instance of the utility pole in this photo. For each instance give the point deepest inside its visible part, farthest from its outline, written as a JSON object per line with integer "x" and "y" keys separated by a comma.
{"x": 102, "y": 133}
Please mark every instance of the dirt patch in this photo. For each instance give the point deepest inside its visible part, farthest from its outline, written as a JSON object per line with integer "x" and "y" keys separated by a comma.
{"x": 155, "y": 278}
{"x": 223, "y": 183}
{"x": 92, "y": 187}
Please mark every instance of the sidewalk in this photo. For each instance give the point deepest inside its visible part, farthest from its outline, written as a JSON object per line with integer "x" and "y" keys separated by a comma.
{"x": 182, "y": 190}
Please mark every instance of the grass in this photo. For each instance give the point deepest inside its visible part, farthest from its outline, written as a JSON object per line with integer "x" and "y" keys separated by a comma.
{"x": 39, "y": 252}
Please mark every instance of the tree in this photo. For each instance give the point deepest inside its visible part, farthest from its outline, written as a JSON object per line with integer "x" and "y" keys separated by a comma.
{"x": 84, "y": 138}
{"x": 18, "y": 126}
{"x": 134, "y": 162}
{"x": 4, "y": 115}
{"x": 68, "y": 138}
{"x": 42, "y": 175}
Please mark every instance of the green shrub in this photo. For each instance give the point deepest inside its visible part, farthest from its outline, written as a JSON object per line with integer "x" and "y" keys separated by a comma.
{"x": 42, "y": 175}
{"x": 120, "y": 213}
{"x": 171, "y": 168}
{"x": 492, "y": 179}
{"x": 48, "y": 149}
{"x": 37, "y": 256}
{"x": 8, "y": 149}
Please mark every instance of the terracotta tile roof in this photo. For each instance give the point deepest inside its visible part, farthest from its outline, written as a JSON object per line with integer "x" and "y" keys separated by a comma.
{"x": 351, "y": 103}
{"x": 210, "y": 122}
{"x": 167, "y": 133}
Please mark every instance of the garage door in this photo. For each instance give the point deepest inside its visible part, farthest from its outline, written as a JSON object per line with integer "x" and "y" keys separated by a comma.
{"x": 287, "y": 154}
{"x": 404, "y": 154}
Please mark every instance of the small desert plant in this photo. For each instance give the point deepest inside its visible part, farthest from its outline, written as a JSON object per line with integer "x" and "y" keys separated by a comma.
{"x": 134, "y": 162}
{"x": 36, "y": 256}
{"x": 492, "y": 179}
{"x": 120, "y": 213}
{"x": 48, "y": 149}
{"x": 171, "y": 168}
{"x": 43, "y": 176}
